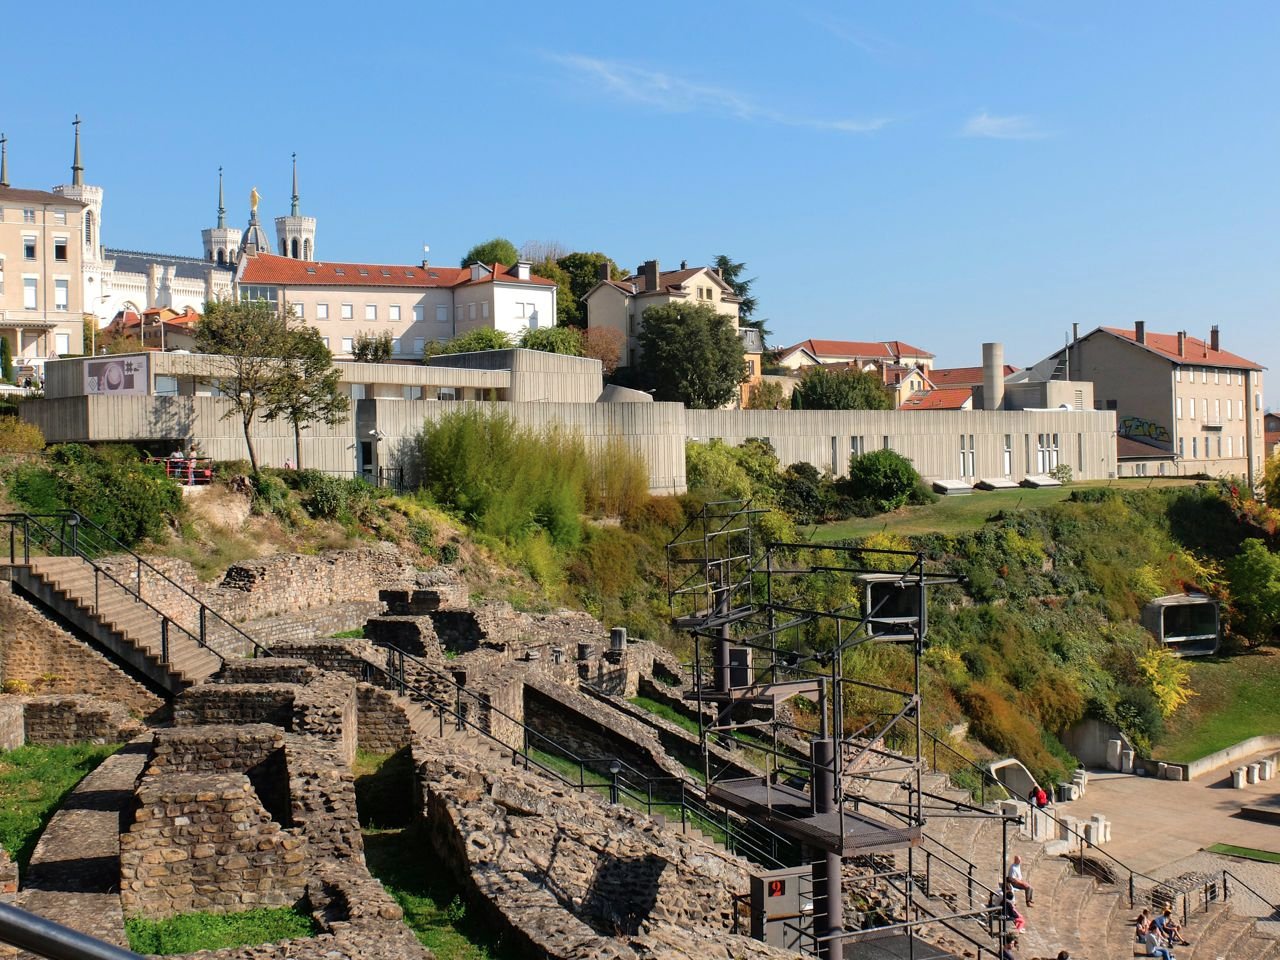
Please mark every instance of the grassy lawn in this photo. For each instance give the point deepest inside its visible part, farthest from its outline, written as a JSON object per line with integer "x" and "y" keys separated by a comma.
{"x": 1237, "y": 698}
{"x": 431, "y": 901}
{"x": 33, "y": 782}
{"x": 189, "y": 932}
{"x": 666, "y": 713}
{"x": 1247, "y": 853}
{"x": 962, "y": 514}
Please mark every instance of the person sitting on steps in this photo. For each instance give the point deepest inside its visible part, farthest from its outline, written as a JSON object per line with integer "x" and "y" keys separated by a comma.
{"x": 1141, "y": 924}
{"x": 1170, "y": 929}
{"x": 1157, "y": 946}
{"x": 1015, "y": 880}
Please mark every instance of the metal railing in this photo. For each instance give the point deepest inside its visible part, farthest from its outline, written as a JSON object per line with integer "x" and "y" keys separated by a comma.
{"x": 609, "y": 775}
{"x": 45, "y": 938}
{"x": 76, "y": 535}
{"x": 1226, "y": 892}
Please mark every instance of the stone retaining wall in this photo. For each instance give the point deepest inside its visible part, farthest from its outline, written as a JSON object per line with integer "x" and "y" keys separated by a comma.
{"x": 34, "y": 649}
{"x": 570, "y": 876}
{"x": 311, "y": 624}
{"x": 236, "y": 703}
{"x": 65, "y": 719}
{"x": 266, "y": 670}
{"x": 382, "y": 726}
{"x": 204, "y": 842}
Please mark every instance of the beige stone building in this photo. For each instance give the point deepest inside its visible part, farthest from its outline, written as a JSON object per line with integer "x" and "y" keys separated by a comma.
{"x": 1195, "y": 406}
{"x": 41, "y": 269}
{"x": 862, "y": 354}
{"x": 415, "y": 303}
{"x": 620, "y": 305}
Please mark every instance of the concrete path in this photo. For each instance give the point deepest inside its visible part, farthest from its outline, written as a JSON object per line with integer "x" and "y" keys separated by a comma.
{"x": 74, "y": 876}
{"x": 1158, "y": 822}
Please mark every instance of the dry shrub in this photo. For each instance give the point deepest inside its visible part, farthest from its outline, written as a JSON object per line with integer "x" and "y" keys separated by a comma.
{"x": 18, "y": 436}
{"x": 618, "y": 480}
{"x": 1006, "y": 728}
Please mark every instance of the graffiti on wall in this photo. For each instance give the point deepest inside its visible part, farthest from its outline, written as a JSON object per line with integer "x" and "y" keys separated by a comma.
{"x": 1139, "y": 428}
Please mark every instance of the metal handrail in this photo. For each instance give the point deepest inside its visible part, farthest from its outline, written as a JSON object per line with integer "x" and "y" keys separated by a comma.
{"x": 636, "y": 784}
{"x": 45, "y": 938}
{"x": 165, "y": 620}
{"x": 1226, "y": 890}
{"x": 205, "y": 609}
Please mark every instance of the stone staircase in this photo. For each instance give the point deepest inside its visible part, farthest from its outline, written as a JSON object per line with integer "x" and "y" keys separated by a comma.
{"x": 1088, "y": 918}
{"x": 128, "y": 629}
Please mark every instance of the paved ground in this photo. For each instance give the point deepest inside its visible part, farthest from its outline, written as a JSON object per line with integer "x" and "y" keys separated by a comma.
{"x": 1161, "y": 827}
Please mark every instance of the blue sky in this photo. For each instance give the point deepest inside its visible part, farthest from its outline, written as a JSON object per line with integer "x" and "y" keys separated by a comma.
{"x": 942, "y": 174}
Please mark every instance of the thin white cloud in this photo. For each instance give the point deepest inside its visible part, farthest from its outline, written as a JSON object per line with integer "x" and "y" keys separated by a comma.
{"x": 1012, "y": 127}
{"x": 675, "y": 94}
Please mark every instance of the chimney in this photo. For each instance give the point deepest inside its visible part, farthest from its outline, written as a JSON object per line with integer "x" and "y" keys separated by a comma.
{"x": 1140, "y": 331}
{"x": 424, "y": 263}
{"x": 992, "y": 376}
{"x": 602, "y": 272}
{"x": 523, "y": 269}
{"x": 1213, "y": 338}
{"x": 684, "y": 264}
{"x": 651, "y": 275}
{"x": 1075, "y": 332}
{"x": 1182, "y": 343}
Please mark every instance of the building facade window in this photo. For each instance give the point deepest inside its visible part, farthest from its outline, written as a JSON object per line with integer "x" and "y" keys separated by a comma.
{"x": 28, "y": 248}
{"x": 346, "y": 347}
{"x": 348, "y": 311}
{"x": 60, "y": 217}
{"x": 442, "y": 314}
{"x": 471, "y": 311}
{"x": 966, "y": 455}
{"x": 1191, "y": 405}
{"x": 419, "y": 346}
{"x": 371, "y": 311}
{"x": 61, "y": 291}
{"x": 1008, "y": 455}
{"x": 60, "y": 249}
{"x": 28, "y": 215}
{"x": 1046, "y": 452}
{"x": 393, "y": 312}
{"x": 1217, "y": 411}
{"x": 856, "y": 445}
{"x": 1177, "y": 374}
{"x": 1228, "y": 446}
{"x": 62, "y": 344}
{"x": 884, "y": 443}
{"x": 395, "y": 346}
{"x": 1182, "y": 450}
{"x": 322, "y": 311}
{"x": 30, "y": 286}
{"x": 1177, "y": 403}
{"x": 484, "y": 310}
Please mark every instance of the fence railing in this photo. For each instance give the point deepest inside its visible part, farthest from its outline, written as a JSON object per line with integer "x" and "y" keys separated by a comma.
{"x": 45, "y": 938}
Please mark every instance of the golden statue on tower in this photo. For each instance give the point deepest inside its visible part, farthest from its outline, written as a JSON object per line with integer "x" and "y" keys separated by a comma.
{"x": 254, "y": 197}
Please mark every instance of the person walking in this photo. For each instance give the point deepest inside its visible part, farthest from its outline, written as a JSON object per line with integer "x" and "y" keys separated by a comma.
{"x": 1016, "y": 879}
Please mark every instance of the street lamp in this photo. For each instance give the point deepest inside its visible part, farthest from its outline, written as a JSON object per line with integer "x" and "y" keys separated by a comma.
{"x": 615, "y": 768}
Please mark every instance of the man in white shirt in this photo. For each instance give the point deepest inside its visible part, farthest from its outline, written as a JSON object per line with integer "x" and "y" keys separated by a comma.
{"x": 1016, "y": 880}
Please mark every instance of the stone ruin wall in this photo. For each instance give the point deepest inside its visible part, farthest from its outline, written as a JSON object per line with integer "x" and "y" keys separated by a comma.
{"x": 34, "y": 649}
{"x": 55, "y": 719}
{"x": 205, "y": 842}
{"x": 570, "y": 876}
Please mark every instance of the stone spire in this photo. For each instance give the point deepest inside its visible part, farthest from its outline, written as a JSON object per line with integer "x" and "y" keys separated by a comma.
{"x": 77, "y": 168}
{"x": 4, "y": 160}
{"x": 222, "y": 204}
{"x": 293, "y": 210}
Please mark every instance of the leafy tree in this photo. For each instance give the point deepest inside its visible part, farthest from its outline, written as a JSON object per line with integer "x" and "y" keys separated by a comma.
{"x": 116, "y": 342}
{"x": 691, "y": 354}
{"x": 253, "y": 339}
{"x": 1254, "y": 574}
{"x": 886, "y": 478}
{"x": 6, "y": 360}
{"x": 548, "y": 269}
{"x": 306, "y": 390}
{"x": 767, "y": 395}
{"x": 731, "y": 273}
{"x": 90, "y": 334}
{"x": 498, "y": 250}
{"x": 824, "y": 388}
{"x": 1271, "y": 481}
{"x": 583, "y": 272}
{"x": 481, "y": 338}
{"x": 564, "y": 340}
{"x": 371, "y": 347}
{"x": 603, "y": 344}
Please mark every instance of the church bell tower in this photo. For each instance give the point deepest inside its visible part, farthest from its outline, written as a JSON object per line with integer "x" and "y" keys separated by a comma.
{"x": 296, "y": 234}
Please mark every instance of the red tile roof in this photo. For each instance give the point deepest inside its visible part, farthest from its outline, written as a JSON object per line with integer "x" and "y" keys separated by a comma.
{"x": 962, "y": 376}
{"x": 950, "y": 398}
{"x": 870, "y": 349}
{"x": 666, "y": 279}
{"x": 269, "y": 268}
{"x": 16, "y": 195}
{"x": 1196, "y": 352}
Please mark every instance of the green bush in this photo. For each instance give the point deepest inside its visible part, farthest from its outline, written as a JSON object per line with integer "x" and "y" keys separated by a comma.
{"x": 882, "y": 476}
{"x": 18, "y": 436}
{"x": 110, "y": 485}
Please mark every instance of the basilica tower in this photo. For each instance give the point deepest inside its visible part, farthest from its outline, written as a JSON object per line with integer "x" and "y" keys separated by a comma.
{"x": 296, "y": 234}
{"x": 94, "y": 270}
{"x": 221, "y": 243}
